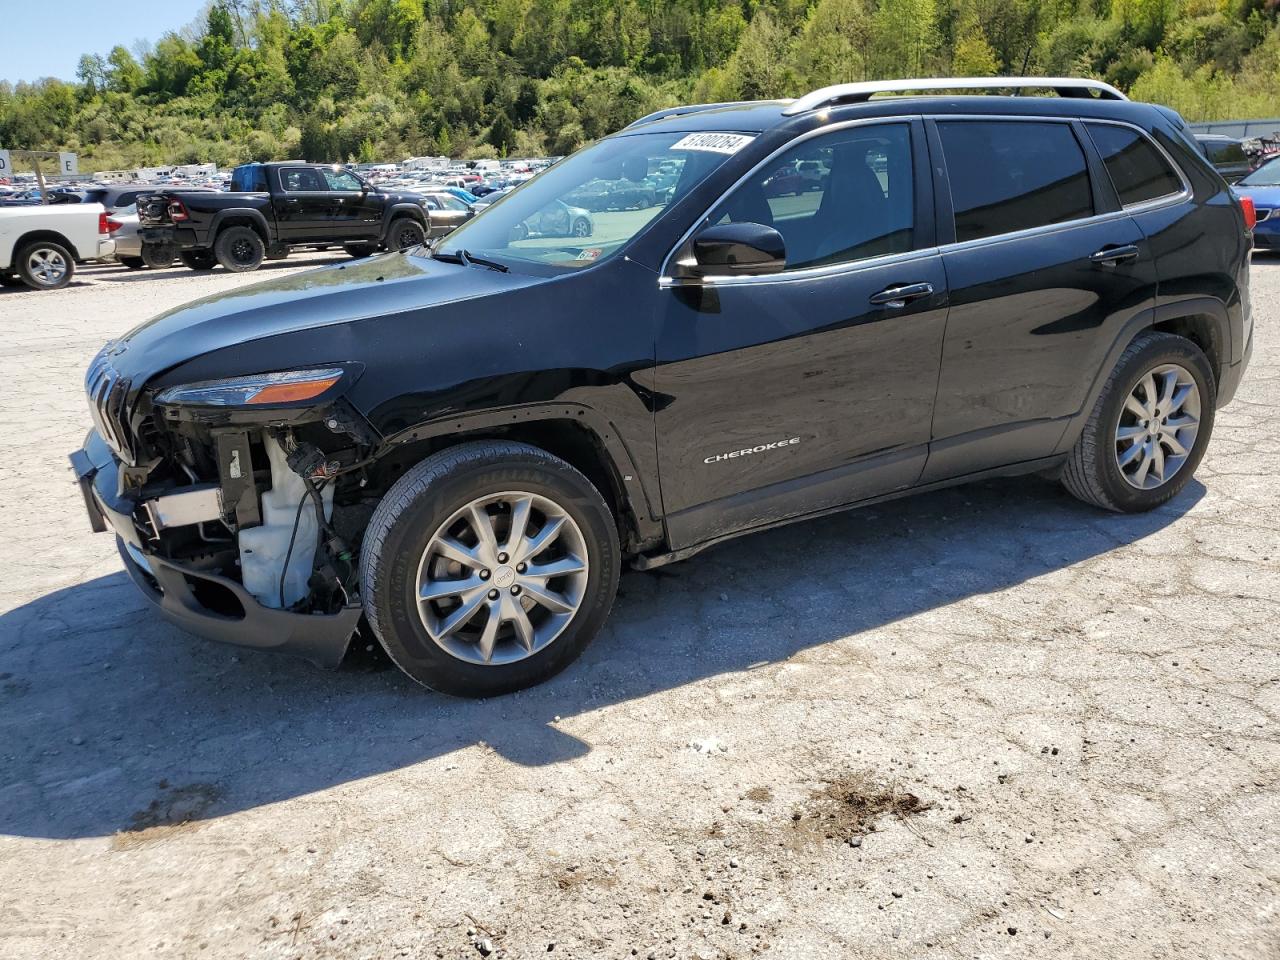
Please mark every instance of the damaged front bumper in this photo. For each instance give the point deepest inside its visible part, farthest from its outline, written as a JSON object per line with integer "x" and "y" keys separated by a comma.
{"x": 201, "y": 602}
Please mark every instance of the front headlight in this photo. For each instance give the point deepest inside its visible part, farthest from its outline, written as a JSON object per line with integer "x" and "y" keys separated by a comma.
{"x": 291, "y": 386}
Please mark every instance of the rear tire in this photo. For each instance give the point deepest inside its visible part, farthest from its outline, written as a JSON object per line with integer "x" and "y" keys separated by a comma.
{"x": 133, "y": 263}
{"x": 239, "y": 249}
{"x": 45, "y": 265}
{"x": 434, "y": 500}
{"x": 198, "y": 259}
{"x": 1127, "y": 457}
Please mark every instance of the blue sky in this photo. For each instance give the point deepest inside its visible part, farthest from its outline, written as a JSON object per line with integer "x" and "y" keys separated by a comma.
{"x": 46, "y": 39}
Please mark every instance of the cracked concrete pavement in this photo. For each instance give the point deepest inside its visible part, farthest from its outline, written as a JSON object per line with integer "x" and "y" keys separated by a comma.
{"x": 1085, "y": 704}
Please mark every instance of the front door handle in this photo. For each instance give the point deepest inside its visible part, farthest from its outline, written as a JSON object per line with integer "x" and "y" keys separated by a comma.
{"x": 1110, "y": 256}
{"x": 898, "y": 296}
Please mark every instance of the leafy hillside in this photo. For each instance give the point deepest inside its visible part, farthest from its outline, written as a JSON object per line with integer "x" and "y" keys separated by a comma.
{"x": 384, "y": 79}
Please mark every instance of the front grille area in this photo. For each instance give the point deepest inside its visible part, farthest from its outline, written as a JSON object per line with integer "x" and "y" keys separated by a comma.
{"x": 108, "y": 403}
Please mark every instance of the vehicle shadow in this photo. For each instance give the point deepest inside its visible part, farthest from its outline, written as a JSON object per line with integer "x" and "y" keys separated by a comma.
{"x": 107, "y": 707}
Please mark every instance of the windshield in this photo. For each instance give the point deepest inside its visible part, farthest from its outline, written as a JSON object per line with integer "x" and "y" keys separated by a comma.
{"x": 1267, "y": 175}
{"x": 587, "y": 207}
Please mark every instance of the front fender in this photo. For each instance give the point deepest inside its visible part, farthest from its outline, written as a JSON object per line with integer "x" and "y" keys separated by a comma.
{"x": 402, "y": 210}
{"x": 620, "y": 462}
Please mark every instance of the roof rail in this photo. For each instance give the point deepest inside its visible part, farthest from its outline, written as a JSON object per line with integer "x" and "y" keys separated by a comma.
{"x": 861, "y": 92}
{"x": 691, "y": 108}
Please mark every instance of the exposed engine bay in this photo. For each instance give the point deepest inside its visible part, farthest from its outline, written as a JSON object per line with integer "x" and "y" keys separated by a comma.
{"x": 278, "y": 505}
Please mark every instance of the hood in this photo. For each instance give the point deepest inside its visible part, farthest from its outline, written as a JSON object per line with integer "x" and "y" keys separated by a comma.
{"x": 359, "y": 290}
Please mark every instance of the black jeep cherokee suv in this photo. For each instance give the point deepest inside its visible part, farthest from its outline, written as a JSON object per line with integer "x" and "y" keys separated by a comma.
{"x": 462, "y": 447}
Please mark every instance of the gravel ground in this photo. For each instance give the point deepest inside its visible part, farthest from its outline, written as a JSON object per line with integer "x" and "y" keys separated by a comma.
{"x": 988, "y": 722}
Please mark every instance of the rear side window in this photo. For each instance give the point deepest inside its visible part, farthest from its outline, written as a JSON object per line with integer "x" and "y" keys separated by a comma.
{"x": 1137, "y": 168}
{"x": 249, "y": 179}
{"x": 1013, "y": 175}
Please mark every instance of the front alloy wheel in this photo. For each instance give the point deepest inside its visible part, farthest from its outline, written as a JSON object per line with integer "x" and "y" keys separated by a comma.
{"x": 489, "y": 567}
{"x": 502, "y": 578}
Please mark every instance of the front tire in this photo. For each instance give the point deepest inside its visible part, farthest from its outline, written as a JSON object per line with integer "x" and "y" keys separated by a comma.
{"x": 239, "y": 249}
{"x": 360, "y": 250}
{"x": 1148, "y": 429}
{"x": 404, "y": 234}
{"x": 515, "y": 556}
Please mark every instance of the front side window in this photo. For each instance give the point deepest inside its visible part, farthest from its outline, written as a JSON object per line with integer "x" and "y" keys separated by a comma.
{"x": 1009, "y": 175}
{"x": 836, "y": 198}
{"x": 1137, "y": 168}
{"x": 587, "y": 207}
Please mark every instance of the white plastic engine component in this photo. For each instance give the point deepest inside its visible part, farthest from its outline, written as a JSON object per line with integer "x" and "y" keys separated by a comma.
{"x": 263, "y": 548}
{"x": 185, "y": 506}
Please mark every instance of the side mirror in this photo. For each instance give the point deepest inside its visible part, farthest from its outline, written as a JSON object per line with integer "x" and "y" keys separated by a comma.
{"x": 735, "y": 249}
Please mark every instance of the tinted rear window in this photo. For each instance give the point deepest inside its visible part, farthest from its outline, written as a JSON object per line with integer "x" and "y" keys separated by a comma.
{"x": 251, "y": 179}
{"x": 1138, "y": 170}
{"x": 1013, "y": 175}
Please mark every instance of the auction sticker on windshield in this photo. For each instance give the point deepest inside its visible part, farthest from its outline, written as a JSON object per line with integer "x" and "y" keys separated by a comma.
{"x": 713, "y": 142}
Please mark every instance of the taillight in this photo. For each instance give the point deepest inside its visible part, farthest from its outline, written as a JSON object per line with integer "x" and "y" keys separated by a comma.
{"x": 1250, "y": 214}
{"x": 112, "y": 225}
{"x": 104, "y": 225}
{"x": 177, "y": 212}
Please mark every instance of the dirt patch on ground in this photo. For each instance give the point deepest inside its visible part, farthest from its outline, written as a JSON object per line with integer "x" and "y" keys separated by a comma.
{"x": 176, "y": 810}
{"x": 848, "y": 808}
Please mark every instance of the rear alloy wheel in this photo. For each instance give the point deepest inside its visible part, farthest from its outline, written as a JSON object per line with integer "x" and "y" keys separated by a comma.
{"x": 581, "y": 227}
{"x": 1148, "y": 429}
{"x": 198, "y": 259}
{"x": 405, "y": 234}
{"x": 489, "y": 567}
{"x": 239, "y": 249}
{"x": 45, "y": 265}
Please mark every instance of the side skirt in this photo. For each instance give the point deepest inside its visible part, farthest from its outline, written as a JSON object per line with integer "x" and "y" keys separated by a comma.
{"x": 1042, "y": 465}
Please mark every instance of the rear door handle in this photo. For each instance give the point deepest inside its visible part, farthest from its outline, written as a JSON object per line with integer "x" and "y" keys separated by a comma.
{"x": 1110, "y": 256}
{"x": 898, "y": 296}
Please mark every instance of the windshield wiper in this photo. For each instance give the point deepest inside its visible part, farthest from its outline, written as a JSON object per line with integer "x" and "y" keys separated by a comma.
{"x": 467, "y": 258}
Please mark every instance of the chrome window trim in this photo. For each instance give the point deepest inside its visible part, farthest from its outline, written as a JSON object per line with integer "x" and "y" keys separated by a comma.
{"x": 1154, "y": 203}
{"x": 666, "y": 280}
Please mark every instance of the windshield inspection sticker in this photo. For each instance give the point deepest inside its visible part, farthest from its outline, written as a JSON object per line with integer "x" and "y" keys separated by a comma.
{"x": 713, "y": 142}
{"x": 589, "y": 253}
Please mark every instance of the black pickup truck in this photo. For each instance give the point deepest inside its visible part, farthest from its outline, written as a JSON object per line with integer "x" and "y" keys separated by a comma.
{"x": 272, "y": 206}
